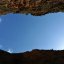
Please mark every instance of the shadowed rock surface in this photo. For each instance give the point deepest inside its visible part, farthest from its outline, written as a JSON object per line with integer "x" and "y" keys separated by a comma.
{"x": 33, "y": 57}
{"x": 33, "y": 7}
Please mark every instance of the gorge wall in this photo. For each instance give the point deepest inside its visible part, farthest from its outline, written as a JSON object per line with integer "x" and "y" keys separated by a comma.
{"x": 33, "y": 7}
{"x": 33, "y": 57}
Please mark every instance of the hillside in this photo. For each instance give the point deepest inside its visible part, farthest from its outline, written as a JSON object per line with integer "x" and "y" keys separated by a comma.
{"x": 33, "y": 7}
{"x": 33, "y": 57}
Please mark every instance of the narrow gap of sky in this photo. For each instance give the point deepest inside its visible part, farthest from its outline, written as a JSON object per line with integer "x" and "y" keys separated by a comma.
{"x": 19, "y": 33}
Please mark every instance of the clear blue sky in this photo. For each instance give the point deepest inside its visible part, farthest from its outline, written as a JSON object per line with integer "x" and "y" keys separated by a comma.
{"x": 19, "y": 32}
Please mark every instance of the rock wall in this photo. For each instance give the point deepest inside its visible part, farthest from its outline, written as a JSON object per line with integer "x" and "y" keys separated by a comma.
{"x": 33, "y": 7}
{"x": 33, "y": 57}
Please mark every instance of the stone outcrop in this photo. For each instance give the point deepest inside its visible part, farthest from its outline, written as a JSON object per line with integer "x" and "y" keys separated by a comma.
{"x": 33, "y": 7}
{"x": 33, "y": 57}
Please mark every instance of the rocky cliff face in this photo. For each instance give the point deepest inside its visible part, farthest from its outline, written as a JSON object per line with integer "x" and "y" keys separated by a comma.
{"x": 33, "y": 7}
{"x": 33, "y": 57}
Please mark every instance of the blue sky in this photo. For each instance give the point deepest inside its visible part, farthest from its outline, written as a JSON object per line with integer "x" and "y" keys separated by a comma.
{"x": 19, "y": 32}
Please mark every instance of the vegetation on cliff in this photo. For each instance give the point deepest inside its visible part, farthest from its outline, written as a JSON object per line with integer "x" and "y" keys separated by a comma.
{"x": 33, "y": 57}
{"x": 33, "y": 7}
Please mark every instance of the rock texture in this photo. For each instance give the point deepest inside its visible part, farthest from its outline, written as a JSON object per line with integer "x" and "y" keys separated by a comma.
{"x": 33, "y": 7}
{"x": 33, "y": 57}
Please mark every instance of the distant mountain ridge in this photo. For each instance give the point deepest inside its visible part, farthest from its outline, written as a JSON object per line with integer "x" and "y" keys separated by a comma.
{"x": 35, "y": 56}
{"x": 33, "y": 7}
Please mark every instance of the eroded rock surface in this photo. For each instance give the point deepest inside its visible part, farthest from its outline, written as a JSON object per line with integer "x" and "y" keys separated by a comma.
{"x": 33, "y": 57}
{"x": 33, "y": 7}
